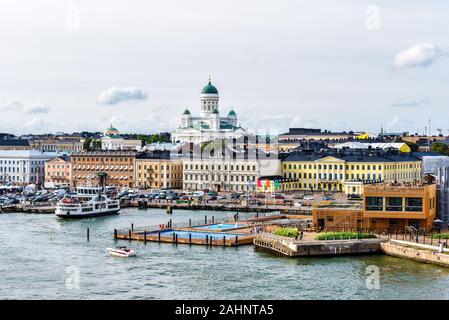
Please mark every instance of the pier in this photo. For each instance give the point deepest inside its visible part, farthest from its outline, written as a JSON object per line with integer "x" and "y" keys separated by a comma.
{"x": 290, "y": 247}
{"x": 226, "y": 232}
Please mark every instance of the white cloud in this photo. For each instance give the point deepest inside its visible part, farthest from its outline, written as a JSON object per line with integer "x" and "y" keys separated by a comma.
{"x": 116, "y": 95}
{"x": 420, "y": 55}
{"x": 37, "y": 108}
{"x": 411, "y": 103}
{"x": 11, "y": 105}
{"x": 33, "y": 108}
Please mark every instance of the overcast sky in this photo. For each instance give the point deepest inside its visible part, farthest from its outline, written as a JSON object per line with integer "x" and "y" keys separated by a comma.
{"x": 339, "y": 65}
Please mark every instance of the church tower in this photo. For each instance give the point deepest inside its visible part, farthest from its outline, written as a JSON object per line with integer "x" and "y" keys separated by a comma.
{"x": 209, "y": 100}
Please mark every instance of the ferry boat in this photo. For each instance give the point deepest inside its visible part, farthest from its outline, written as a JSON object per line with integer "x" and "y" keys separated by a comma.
{"x": 88, "y": 202}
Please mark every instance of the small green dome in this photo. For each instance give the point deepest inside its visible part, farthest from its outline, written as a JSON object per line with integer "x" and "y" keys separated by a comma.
{"x": 232, "y": 113}
{"x": 186, "y": 111}
{"x": 209, "y": 89}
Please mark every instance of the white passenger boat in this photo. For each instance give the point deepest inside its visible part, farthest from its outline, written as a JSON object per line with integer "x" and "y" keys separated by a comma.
{"x": 122, "y": 252}
{"x": 88, "y": 202}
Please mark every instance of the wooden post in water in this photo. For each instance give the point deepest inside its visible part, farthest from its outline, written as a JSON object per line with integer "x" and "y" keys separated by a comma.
{"x": 174, "y": 237}
{"x": 171, "y": 224}
{"x": 205, "y": 219}
{"x": 207, "y": 239}
{"x": 115, "y": 234}
{"x": 224, "y": 241}
{"x": 236, "y": 240}
{"x": 190, "y": 222}
{"x": 132, "y": 227}
{"x": 87, "y": 234}
{"x": 145, "y": 237}
{"x": 213, "y": 219}
{"x": 158, "y": 236}
{"x": 129, "y": 235}
{"x": 190, "y": 238}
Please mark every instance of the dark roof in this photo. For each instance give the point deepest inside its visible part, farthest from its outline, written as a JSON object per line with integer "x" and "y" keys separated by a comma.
{"x": 14, "y": 142}
{"x": 156, "y": 154}
{"x": 361, "y": 156}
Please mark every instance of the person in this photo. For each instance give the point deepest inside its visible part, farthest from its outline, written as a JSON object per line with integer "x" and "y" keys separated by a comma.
{"x": 300, "y": 238}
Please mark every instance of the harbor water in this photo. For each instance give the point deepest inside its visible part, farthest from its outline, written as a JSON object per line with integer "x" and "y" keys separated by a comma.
{"x": 44, "y": 257}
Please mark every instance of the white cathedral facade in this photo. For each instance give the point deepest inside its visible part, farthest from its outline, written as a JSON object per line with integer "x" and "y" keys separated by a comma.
{"x": 209, "y": 125}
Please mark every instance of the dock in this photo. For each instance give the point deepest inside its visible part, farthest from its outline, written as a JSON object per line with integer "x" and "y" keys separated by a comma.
{"x": 290, "y": 247}
{"x": 226, "y": 232}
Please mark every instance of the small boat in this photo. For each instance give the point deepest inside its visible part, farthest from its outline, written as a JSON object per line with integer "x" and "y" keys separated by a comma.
{"x": 122, "y": 252}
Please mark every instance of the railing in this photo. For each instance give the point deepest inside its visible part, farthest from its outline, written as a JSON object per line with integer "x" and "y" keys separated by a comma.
{"x": 286, "y": 241}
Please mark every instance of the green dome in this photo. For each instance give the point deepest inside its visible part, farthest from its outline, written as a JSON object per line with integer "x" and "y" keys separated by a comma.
{"x": 232, "y": 113}
{"x": 209, "y": 89}
{"x": 215, "y": 111}
{"x": 186, "y": 111}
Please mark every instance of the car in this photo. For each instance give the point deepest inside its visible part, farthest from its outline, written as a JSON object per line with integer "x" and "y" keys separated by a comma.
{"x": 279, "y": 196}
{"x": 221, "y": 197}
{"x": 309, "y": 197}
{"x": 298, "y": 196}
{"x": 212, "y": 193}
{"x": 328, "y": 198}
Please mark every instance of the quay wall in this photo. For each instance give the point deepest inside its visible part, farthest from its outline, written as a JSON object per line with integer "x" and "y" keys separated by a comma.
{"x": 415, "y": 252}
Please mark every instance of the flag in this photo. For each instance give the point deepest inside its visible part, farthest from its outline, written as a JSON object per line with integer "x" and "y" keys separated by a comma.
{"x": 267, "y": 183}
{"x": 276, "y": 184}
{"x": 259, "y": 183}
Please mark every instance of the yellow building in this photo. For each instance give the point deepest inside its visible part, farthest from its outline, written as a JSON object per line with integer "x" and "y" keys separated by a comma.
{"x": 385, "y": 207}
{"x": 158, "y": 171}
{"x": 348, "y": 172}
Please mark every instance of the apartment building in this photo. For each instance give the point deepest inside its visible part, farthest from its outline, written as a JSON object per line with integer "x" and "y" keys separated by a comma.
{"x": 58, "y": 172}
{"x": 23, "y": 166}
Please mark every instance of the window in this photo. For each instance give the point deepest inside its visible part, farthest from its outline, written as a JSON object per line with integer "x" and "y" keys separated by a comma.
{"x": 413, "y": 204}
{"x": 394, "y": 204}
{"x": 374, "y": 203}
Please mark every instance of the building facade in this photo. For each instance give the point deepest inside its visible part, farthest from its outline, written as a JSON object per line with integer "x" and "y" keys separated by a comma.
{"x": 235, "y": 173}
{"x": 58, "y": 145}
{"x": 209, "y": 125}
{"x": 112, "y": 140}
{"x": 348, "y": 172}
{"x": 158, "y": 170}
{"x": 117, "y": 168}
{"x": 58, "y": 172}
{"x": 22, "y": 166}
{"x": 14, "y": 144}
{"x": 385, "y": 207}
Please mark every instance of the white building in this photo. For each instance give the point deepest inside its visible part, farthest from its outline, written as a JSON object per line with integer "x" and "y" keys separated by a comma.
{"x": 209, "y": 125}
{"x": 23, "y": 166}
{"x": 112, "y": 140}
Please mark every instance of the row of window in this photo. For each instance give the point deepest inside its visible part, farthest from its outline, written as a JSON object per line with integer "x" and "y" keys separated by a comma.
{"x": 335, "y": 176}
{"x": 220, "y": 167}
{"x": 352, "y": 166}
{"x": 218, "y": 178}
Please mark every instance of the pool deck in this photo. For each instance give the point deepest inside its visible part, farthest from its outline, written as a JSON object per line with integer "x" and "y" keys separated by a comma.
{"x": 228, "y": 237}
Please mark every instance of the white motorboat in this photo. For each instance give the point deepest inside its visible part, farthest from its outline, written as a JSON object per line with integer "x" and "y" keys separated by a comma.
{"x": 88, "y": 202}
{"x": 124, "y": 252}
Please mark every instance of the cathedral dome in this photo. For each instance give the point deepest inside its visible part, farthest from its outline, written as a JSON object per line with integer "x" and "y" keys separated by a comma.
{"x": 111, "y": 131}
{"x": 209, "y": 89}
{"x": 186, "y": 112}
{"x": 232, "y": 113}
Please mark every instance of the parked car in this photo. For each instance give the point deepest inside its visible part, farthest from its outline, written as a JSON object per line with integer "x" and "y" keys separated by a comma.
{"x": 328, "y": 198}
{"x": 309, "y": 197}
{"x": 298, "y": 196}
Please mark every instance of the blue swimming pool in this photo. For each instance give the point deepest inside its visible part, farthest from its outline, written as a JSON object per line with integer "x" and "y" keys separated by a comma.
{"x": 222, "y": 226}
{"x": 200, "y": 235}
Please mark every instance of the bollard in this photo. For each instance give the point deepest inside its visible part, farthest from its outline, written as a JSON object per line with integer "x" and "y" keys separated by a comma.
{"x": 224, "y": 241}
{"x": 115, "y": 234}
{"x": 190, "y": 238}
{"x": 129, "y": 235}
{"x": 171, "y": 224}
{"x": 87, "y": 234}
{"x": 145, "y": 237}
{"x": 207, "y": 239}
{"x": 132, "y": 227}
{"x": 205, "y": 219}
{"x": 176, "y": 239}
{"x": 236, "y": 240}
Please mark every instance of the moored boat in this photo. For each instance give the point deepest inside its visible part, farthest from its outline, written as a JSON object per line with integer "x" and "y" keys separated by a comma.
{"x": 124, "y": 252}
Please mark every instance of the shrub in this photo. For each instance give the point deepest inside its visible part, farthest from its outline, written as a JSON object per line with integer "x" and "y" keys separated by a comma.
{"x": 441, "y": 236}
{"x": 287, "y": 232}
{"x": 343, "y": 235}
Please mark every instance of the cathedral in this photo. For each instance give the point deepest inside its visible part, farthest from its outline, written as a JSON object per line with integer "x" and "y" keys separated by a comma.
{"x": 209, "y": 125}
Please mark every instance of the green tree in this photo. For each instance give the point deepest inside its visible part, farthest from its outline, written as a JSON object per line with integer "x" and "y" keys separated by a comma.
{"x": 413, "y": 146}
{"x": 440, "y": 148}
{"x": 87, "y": 144}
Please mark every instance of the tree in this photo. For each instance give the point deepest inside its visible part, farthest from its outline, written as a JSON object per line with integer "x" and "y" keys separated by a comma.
{"x": 440, "y": 148}
{"x": 87, "y": 143}
{"x": 413, "y": 146}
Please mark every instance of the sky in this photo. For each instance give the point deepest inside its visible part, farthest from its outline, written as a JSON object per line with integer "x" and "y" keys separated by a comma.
{"x": 137, "y": 64}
